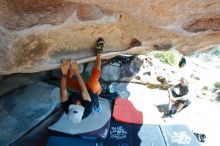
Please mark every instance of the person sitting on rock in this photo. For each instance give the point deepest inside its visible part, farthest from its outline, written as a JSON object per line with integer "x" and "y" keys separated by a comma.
{"x": 79, "y": 108}
{"x": 178, "y": 97}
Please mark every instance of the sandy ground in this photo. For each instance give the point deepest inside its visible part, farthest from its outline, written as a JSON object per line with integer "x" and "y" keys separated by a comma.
{"x": 200, "y": 116}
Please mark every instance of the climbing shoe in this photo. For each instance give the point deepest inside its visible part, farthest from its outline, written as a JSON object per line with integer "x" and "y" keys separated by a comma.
{"x": 99, "y": 45}
{"x": 200, "y": 137}
{"x": 168, "y": 113}
{"x": 173, "y": 113}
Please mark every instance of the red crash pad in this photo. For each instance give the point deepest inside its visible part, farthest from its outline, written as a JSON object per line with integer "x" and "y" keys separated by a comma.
{"x": 124, "y": 111}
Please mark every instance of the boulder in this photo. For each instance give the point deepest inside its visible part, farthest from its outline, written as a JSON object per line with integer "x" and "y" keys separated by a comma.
{"x": 143, "y": 69}
{"x": 36, "y": 35}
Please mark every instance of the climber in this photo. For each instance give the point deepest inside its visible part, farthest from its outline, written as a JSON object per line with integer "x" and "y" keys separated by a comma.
{"x": 78, "y": 108}
{"x": 178, "y": 97}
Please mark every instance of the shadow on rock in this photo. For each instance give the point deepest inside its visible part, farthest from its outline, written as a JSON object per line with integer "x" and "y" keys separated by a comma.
{"x": 218, "y": 96}
{"x": 121, "y": 69}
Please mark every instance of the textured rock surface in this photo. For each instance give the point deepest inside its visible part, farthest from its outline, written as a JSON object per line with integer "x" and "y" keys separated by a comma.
{"x": 201, "y": 72}
{"x": 23, "y": 107}
{"x": 35, "y": 35}
{"x": 143, "y": 69}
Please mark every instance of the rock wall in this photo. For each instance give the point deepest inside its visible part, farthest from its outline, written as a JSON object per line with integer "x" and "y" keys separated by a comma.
{"x": 35, "y": 34}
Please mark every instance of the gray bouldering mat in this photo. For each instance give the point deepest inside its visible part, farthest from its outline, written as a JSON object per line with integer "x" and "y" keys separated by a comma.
{"x": 24, "y": 107}
{"x": 150, "y": 135}
{"x": 179, "y": 135}
{"x": 94, "y": 121}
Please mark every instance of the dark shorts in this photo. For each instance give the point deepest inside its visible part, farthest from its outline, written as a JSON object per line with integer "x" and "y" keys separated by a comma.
{"x": 185, "y": 102}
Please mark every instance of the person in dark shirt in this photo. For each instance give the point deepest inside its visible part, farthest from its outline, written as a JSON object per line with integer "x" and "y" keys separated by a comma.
{"x": 178, "y": 97}
{"x": 79, "y": 108}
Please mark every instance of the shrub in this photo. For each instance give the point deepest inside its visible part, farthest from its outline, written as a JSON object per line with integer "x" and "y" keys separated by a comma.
{"x": 217, "y": 85}
{"x": 166, "y": 57}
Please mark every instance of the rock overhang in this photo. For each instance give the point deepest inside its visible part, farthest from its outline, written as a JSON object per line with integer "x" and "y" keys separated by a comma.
{"x": 35, "y": 35}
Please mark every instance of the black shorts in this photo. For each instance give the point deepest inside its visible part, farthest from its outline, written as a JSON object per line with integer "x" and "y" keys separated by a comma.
{"x": 185, "y": 102}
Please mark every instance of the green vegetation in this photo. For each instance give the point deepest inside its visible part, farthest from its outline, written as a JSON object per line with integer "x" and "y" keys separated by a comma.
{"x": 166, "y": 57}
{"x": 217, "y": 85}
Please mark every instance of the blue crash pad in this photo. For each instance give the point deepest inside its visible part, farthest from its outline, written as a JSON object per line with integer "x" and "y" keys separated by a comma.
{"x": 179, "y": 135}
{"x": 65, "y": 141}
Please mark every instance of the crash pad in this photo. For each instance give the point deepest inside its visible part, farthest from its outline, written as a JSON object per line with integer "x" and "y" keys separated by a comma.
{"x": 147, "y": 135}
{"x": 124, "y": 111}
{"x": 93, "y": 124}
{"x": 66, "y": 141}
{"x": 125, "y": 134}
{"x": 179, "y": 135}
{"x": 24, "y": 107}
